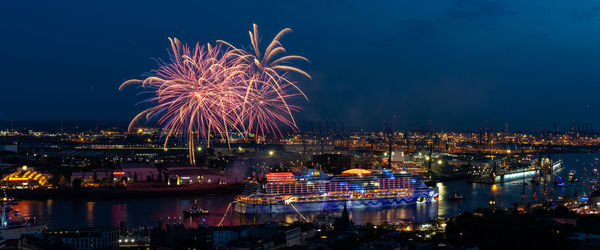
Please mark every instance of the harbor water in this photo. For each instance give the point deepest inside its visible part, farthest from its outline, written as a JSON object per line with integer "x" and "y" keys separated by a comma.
{"x": 148, "y": 211}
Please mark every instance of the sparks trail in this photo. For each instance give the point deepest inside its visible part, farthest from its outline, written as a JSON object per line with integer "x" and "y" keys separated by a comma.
{"x": 206, "y": 90}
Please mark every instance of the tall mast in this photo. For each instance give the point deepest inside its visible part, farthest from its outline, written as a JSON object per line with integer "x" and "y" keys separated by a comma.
{"x": 4, "y": 222}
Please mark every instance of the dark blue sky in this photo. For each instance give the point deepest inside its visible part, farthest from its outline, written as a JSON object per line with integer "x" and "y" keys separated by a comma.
{"x": 455, "y": 62}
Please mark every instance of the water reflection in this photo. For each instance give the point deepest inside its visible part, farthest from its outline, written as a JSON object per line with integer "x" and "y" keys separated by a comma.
{"x": 138, "y": 212}
{"x": 90, "y": 213}
{"x": 64, "y": 213}
{"x": 119, "y": 212}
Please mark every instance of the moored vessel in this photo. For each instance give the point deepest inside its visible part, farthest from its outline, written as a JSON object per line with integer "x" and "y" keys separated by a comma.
{"x": 456, "y": 197}
{"x": 314, "y": 190}
{"x": 195, "y": 211}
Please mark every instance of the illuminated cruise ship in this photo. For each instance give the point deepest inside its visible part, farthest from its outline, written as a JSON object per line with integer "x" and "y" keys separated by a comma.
{"x": 314, "y": 190}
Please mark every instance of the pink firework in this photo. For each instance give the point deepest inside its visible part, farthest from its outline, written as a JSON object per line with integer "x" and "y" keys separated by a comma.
{"x": 209, "y": 91}
{"x": 270, "y": 70}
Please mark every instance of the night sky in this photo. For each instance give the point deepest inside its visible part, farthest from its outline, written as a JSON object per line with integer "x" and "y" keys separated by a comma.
{"x": 457, "y": 63}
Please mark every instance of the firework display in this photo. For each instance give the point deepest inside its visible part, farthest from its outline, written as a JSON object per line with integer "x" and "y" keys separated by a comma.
{"x": 207, "y": 90}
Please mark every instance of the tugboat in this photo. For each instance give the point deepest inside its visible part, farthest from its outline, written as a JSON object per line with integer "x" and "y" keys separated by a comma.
{"x": 195, "y": 211}
{"x": 456, "y": 197}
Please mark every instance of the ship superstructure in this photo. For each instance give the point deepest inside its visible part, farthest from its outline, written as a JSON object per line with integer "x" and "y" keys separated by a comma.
{"x": 314, "y": 190}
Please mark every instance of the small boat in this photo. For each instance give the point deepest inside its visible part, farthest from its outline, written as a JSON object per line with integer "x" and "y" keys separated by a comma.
{"x": 456, "y": 197}
{"x": 195, "y": 211}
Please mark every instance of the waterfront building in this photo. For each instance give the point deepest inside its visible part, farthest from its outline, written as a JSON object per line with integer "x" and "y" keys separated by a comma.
{"x": 244, "y": 244}
{"x": 130, "y": 172}
{"x": 308, "y": 231}
{"x": 87, "y": 238}
{"x": 93, "y": 176}
{"x": 293, "y": 235}
{"x": 264, "y": 236}
{"x": 25, "y": 177}
{"x": 223, "y": 235}
{"x": 193, "y": 175}
{"x": 134, "y": 171}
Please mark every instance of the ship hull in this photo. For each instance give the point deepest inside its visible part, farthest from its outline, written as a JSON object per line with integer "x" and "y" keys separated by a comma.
{"x": 336, "y": 205}
{"x": 516, "y": 176}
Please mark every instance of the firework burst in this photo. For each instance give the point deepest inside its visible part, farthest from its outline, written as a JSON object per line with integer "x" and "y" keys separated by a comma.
{"x": 270, "y": 70}
{"x": 205, "y": 91}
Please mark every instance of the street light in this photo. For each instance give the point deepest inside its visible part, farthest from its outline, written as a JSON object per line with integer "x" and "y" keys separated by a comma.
{"x": 271, "y": 153}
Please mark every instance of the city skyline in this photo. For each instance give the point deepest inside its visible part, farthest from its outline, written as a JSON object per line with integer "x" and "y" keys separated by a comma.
{"x": 456, "y": 124}
{"x": 323, "y": 126}
{"x": 457, "y": 63}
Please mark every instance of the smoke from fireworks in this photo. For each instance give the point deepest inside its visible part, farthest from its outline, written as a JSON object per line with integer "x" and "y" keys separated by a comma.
{"x": 209, "y": 91}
